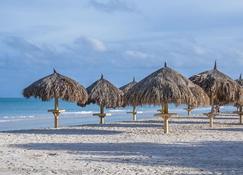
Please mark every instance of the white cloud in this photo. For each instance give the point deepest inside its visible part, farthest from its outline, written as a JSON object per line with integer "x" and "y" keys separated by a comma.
{"x": 199, "y": 50}
{"x": 136, "y": 54}
{"x": 91, "y": 44}
{"x": 112, "y": 5}
{"x": 98, "y": 45}
{"x": 190, "y": 35}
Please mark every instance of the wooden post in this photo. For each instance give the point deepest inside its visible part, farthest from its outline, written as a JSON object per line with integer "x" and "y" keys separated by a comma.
{"x": 102, "y": 115}
{"x": 166, "y": 124}
{"x": 212, "y": 102}
{"x": 55, "y": 120}
{"x": 134, "y": 113}
{"x": 165, "y": 108}
{"x": 165, "y": 116}
{"x": 56, "y": 104}
{"x": 212, "y": 113}
{"x": 211, "y": 116}
{"x": 56, "y": 113}
{"x": 189, "y": 109}
{"x": 188, "y": 112}
{"x": 212, "y": 109}
{"x": 240, "y": 114}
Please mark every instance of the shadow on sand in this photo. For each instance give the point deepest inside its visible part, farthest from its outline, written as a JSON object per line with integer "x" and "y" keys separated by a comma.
{"x": 62, "y": 131}
{"x": 214, "y": 156}
{"x": 127, "y": 125}
{"x": 227, "y": 129}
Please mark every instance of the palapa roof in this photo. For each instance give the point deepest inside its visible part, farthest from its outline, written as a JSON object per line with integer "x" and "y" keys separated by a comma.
{"x": 57, "y": 86}
{"x": 240, "y": 80}
{"x": 128, "y": 86}
{"x": 102, "y": 92}
{"x": 166, "y": 85}
{"x": 219, "y": 87}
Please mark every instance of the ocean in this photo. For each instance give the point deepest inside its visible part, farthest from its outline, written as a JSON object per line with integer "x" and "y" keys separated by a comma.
{"x": 21, "y": 113}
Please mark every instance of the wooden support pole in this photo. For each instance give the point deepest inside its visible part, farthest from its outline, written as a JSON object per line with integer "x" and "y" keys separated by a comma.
{"x": 212, "y": 113}
{"x": 165, "y": 116}
{"x": 240, "y": 114}
{"x": 56, "y": 104}
{"x": 162, "y": 108}
{"x": 166, "y": 124}
{"x": 189, "y": 110}
{"x": 134, "y": 113}
{"x": 56, "y": 113}
{"x": 211, "y": 116}
{"x": 55, "y": 120}
{"x": 102, "y": 120}
{"x": 102, "y": 115}
{"x": 212, "y": 109}
{"x": 212, "y": 103}
{"x": 165, "y": 106}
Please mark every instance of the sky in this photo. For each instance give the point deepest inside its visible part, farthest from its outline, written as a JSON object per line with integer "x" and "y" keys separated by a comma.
{"x": 120, "y": 38}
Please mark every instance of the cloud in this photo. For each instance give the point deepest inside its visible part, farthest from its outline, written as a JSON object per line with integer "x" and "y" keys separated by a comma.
{"x": 85, "y": 58}
{"x": 112, "y": 5}
{"x": 136, "y": 54}
{"x": 116, "y": 40}
{"x": 91, "y": 43}
{"x": 17, "y": 53}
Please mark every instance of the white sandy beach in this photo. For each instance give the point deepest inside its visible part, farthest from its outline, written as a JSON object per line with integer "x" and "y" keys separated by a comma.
{"x": 127, "y": 148}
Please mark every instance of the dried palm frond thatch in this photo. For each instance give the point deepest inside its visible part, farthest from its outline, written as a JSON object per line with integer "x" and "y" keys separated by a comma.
{"x": 239, "y": 104}
{"x": 125, "y": 89}
{"x": 166, "y": 86}
{"x": 128, "y": 86}
{"x": 57, "y": 86}
{"x": 220, "y": 88}
{"x": 240, "y": 81}
{"x": 104, "y": 94}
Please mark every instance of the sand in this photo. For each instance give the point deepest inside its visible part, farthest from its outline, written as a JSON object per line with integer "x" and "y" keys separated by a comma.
{"x": 124, "y": 148}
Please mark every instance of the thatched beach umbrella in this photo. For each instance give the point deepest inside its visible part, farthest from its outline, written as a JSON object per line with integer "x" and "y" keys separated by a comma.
{"x": 125, "y": 89}
{"x": 166, "y": 86}
{"x": 240, "y": 80}
{"x": 189, "y": 109}
{"x": 104, "y": 94}
{"x": 220, "y": 88}
{"x": 56, "y": 86}
{"x": 239, "y": 104}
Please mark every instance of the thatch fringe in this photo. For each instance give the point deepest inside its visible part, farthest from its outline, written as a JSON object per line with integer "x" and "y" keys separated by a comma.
{"x": 57, "y": 86}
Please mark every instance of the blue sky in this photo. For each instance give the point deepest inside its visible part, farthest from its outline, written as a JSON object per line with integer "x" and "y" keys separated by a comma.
{"x": 119, "y": 38}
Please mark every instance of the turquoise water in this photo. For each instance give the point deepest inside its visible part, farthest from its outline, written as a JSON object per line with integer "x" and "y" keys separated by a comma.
{"x": 21, "y": 113}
